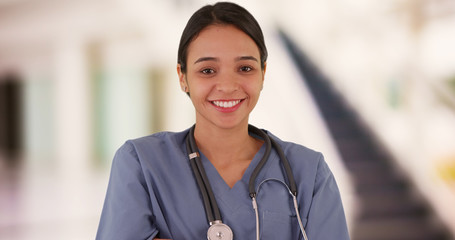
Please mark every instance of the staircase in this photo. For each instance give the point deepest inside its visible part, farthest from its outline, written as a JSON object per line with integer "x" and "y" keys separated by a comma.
{"x": 389, "y": 208}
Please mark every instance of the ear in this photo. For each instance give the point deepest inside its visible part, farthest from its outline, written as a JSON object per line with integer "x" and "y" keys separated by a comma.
{"x": 263, "y": 74}
{"x": 182, "y": 78}
{"x": 263, "y": 70}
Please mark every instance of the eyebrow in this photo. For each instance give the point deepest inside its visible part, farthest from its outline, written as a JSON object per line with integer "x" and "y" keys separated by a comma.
{"x": 203, "y": 59}
{"x": 246, "y": 58}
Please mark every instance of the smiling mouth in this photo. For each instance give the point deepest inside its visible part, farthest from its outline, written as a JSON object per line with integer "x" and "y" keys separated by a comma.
{"x": 226, "y": 104}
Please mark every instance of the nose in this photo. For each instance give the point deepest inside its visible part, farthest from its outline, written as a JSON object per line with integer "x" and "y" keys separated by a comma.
{"x": 227, "y": 82}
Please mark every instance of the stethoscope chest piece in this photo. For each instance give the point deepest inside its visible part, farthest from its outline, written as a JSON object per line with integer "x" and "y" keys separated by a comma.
{"x": 219, "y": 231}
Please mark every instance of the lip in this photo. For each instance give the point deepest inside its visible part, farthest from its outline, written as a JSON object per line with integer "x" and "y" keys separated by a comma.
{"x": 227, "y": 109}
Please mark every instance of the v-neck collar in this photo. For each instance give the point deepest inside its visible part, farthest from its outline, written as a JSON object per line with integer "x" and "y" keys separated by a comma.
{"x": 239, "y": 192}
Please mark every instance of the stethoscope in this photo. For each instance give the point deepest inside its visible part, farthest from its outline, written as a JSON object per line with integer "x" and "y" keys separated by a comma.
{"x": 219, "y": 230}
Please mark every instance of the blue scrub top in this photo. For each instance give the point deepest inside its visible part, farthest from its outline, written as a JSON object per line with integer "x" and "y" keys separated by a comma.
{"x": 152, "y": 193}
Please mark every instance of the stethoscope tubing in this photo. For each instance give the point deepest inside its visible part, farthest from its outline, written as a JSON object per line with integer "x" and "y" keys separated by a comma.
{"x": 287, "y": 168}
{"x": 294, "y": 199}
{"x": 210, "y": 204}
{"x": 265, "y": 157}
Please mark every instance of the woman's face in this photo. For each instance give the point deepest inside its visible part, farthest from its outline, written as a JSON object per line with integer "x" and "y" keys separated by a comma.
{"x": 224, "y": 76}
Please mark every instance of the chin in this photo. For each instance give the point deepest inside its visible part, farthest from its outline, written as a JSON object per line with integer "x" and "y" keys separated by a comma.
{"x": 230, "y": 124}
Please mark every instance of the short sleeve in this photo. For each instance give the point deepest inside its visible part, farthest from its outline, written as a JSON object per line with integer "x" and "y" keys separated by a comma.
{"x": 326, "y": 218}
{"x": 127, "y": 212}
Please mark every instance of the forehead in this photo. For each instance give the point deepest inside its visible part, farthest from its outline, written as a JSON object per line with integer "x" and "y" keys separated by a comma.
{"x": 222, "y": 41}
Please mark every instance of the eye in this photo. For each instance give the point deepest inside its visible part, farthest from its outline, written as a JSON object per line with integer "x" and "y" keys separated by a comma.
{"x": 207, "y": 71}
{"x": 246, "y": 69}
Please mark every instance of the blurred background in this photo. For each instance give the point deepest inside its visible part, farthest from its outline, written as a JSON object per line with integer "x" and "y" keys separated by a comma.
{"x": 371, "y": 84}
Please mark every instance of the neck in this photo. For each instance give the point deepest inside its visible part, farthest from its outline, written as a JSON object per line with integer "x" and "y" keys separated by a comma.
{"x": 225, "y": 146}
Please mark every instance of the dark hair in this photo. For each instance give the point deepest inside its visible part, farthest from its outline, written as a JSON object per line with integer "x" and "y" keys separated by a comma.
{"x": 221, "y": 13}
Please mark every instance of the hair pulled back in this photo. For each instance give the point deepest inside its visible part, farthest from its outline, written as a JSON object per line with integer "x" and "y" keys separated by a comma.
{"x": 221, "y": 13}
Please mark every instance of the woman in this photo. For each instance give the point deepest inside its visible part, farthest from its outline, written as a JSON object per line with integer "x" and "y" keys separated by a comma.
{"x": 153, "y": 191}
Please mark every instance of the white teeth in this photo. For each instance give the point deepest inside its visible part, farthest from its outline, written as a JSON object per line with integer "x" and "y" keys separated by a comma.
{"x": 226, "y": 104}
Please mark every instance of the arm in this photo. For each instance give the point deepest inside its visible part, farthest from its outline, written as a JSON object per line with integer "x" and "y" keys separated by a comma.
{"x": 326, "y": 219}
{"x": 127, "y": 213}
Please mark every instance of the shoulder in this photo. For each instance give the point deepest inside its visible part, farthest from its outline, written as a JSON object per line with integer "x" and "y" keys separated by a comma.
{"x": 303, "y": 159}
{"x": 164, "y": 137}
{"x": 297, "y": 151}
{"x": 156, "y": 140}
{"x": 158, "y": 144}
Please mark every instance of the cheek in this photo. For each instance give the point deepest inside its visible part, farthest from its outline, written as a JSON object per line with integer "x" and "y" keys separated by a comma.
{"x": 255, "y": 88}
{"x": 198, "y": 89}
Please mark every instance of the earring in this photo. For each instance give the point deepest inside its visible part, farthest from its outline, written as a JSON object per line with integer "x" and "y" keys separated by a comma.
{"x": 185, "y": 88}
